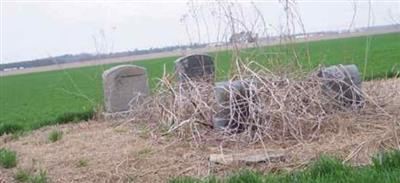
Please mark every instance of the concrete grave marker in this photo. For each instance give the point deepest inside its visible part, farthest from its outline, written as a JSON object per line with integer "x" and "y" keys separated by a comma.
{"x": 196, "y": 66}
{"x": 343, "y": 82}
{"x": 124, "y": 85}
{"x": 232, "y": 104}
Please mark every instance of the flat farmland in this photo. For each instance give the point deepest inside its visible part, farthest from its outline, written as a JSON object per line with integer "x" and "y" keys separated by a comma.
{"x": 37, "y": 99}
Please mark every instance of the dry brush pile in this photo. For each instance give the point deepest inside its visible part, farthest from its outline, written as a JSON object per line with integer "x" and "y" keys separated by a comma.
{"x": 260, "y": 104}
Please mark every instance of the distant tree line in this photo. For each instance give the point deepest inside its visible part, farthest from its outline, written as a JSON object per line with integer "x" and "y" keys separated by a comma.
{"x": 70, "y": 58}
{"x": 245, "y": 37}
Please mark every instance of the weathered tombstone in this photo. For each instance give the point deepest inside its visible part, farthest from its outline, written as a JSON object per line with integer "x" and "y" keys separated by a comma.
{"x": 123, "y": 86}
{"x": 232, "y": 106}
{"x": 343, "y": 82}
{"x": 196, "y": 66}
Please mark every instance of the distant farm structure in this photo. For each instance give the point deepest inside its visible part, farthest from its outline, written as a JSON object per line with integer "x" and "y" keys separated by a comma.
{"x": 243, "y": 37}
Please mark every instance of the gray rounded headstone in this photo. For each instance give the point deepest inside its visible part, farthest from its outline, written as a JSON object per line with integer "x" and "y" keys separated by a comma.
{"x": 124, "y": 86}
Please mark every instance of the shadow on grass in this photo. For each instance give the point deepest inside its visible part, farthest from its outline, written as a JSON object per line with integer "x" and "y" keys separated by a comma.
{"x": 7, "y": 128}
{"x": 385, "y": 168}
{"x": 68, "y": 117}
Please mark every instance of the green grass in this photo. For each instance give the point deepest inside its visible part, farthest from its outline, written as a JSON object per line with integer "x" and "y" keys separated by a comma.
{"x": 39, "y": 178}
{"x": 385, "y": 169}
{"x": 55, "y": 135}
{"x": 22, "y": 176}
{"x": 31, "y": 101}
{"x": 8, "y": 127}
{"x": 26, "y": 176}
{"x": 82, "y": 163}
{"x": 8, "y": 158}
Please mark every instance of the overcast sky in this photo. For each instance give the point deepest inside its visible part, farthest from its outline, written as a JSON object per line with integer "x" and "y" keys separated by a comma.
{"x": 37, "y": 29}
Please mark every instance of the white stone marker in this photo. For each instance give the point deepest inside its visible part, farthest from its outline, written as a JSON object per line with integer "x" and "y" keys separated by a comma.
{"x": 124, "y": 86}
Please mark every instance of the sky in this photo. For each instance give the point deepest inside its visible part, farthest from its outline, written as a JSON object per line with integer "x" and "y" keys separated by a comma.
{"x": 37, "y": 29}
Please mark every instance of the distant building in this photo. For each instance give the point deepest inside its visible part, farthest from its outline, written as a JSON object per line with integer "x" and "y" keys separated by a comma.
{"x": 10, "y": 69}
{"x": 243, "y": 37}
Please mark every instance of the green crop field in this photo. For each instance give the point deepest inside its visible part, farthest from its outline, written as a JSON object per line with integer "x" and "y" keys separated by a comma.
{"x": 30, "y": 101}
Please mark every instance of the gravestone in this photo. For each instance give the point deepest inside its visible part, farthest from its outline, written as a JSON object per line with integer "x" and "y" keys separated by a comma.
{"x": 343, "y": 83}
{"x": 124, "y": 86}
{"x": 231, "y": 104}
{"x": 195, "y": 67}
